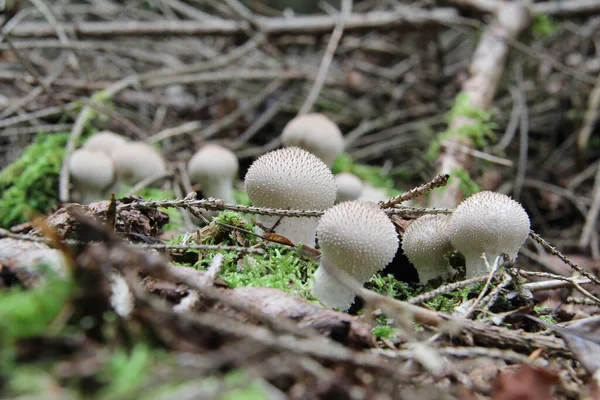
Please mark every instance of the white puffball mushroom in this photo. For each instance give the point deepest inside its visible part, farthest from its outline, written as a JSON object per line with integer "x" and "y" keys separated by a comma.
{"x": 291, "y": 178}
{"x": 214, "y": 167}
{"x": 371, "y": 193}
{"x": 136, "y": 161}
{"x": 425, "y": 242}
{"x": 92, "y": 173}
{"x": 105, "y": 142}
{"x": 314, "y": 133}
{"x": 491, "y": 223}
{"x": 349, "y": 187}
{"x": 358, "y": 238}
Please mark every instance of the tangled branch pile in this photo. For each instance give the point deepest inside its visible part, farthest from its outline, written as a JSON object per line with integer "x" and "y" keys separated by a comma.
{"x": 499, "y": 96}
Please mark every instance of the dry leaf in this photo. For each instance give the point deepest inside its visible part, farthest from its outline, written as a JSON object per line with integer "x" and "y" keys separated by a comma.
{"x": 524, "y": 382}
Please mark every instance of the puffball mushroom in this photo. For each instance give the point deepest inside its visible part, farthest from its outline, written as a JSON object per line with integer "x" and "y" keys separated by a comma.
{"x": 136, "y": 161}
{"x": 315, "y": 133}
{"x": 491, "y": 223}
{"x": 358, "y": 238}
{"x": 291, "y": 178}
{"x": 425, "y": 242}
{"x": 91, "y": 173}
{"x": 105, "y": 142}
{"x": 349, "y": 187}
{"x": 214, "y": 167}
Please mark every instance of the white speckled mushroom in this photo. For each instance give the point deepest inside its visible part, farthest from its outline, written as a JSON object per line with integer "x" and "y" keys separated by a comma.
{"x": 490, "y": 223}
{"x": 105, "y": 141}
{"x": 214, "y": 167}
{"x": 425, "y": 242}
{"x": 371, "y": 193}
{"x": 291, "y": 178}
{"x": 358, "y": 238}
{"x": 136, "y": 161}
{"x": 349, "y": 187}
{"x": 92, "y": 173}
{"x": 315, "y": 133}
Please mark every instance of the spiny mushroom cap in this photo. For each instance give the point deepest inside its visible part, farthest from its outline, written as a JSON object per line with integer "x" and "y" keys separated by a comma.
{"x": 349, "y": 186}
{"x": 358, "y": 237}
{"x": 136, "y": 161}
{"x": 290, "y": 178}
{"x": 212, "y": 163}
{"x": 425, "y": 242}
{"x": 315, "y": 133}
{"x": 491, "y": 223}
{"x": 105, "y": 141}
{"x": 91, "y": 169}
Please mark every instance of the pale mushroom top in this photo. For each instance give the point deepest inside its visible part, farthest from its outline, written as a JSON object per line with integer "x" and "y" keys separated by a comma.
{"x": 105, "y": 141}
{"x": 214, "y": 167}
{"x": 136, "y": 161}
{"x": 425, "y": 242}
{"x": 315, "y": 133}
{"x": 91, "y": 173}
{"x": 491, "y": 223}
{"x": 349, "y": 187}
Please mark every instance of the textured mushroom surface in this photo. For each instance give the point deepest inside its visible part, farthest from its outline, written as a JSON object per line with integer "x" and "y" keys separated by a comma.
{"x": 106, "y": 142}
{"x": 315, "y": 133}
{"x": 136, "y": 161}
{"x": 91, "y": 173}
{"x": 214, "y": 167}
{"x": 291, "y": 178}
{"x": 358, "y": 238}
{"x": 349, "y": 187}
{"x": 490, "y": 223}
{"x": 425, "y": 242}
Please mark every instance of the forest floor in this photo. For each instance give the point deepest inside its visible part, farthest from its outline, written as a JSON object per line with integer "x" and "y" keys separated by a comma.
{"x": 136, "y": 297}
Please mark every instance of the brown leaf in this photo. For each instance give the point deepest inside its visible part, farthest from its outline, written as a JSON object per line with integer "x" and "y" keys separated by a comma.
{"x": 524, "y": 383}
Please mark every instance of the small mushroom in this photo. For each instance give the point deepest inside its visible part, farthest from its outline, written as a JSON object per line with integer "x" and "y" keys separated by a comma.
{"x": 291, "y": 178}
{"x": 214, "y": 167}
{"x": 490, "y": 223}
{"x": 358, "y": 238}
{"x": 425, "y": 243}
{"x": 349, "y": 187}
{"x": 136, "y": 161}
{"x": 371, "y": 193}
{"x": 315, "y": 133}
{"x": 92, "y": 173}
{"x": 105, "y": 141}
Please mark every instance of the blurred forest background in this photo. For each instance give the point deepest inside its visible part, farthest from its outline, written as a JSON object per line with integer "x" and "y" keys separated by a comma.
{"x": 500, "y": 95}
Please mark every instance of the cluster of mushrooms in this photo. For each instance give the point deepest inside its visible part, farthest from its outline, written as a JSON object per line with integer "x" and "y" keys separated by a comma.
{"x": 355, "y": 235}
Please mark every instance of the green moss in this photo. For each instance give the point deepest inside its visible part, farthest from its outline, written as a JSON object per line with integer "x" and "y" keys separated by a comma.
{"x": 544, "y": 26}
{"x": 241, "y": 197}
{"x": 479, "y": 131}
{"x": 30, "y": 184}
{"x": 391, "y": 287}
{"x": 545, "y": 314}
{"x": 448, "y": 302}
{"x": 279, "y": 268}
{"x": 125, "y": 372}
{"x": 466, "y": 184}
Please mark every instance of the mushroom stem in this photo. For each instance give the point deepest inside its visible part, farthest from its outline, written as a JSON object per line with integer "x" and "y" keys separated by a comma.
{"x": 91, "y": 196}
{"x": 297, "y": 230}
{"x": 222, "y": 189}
{"x": 475, "y": 266}
{"x": 328, "y": 289}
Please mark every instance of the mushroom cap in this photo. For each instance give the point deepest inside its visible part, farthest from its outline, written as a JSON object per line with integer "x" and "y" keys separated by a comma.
{"x": 371, "y": 193}
{"x": 315, "y": 133}
{"x": 358, "y": 237}
{"x": 212, "y": 163}
{"x": 136, "y": 161}
{"x": 349, "y": 186}
{"x": 425, "y": 242}
{"x": 489, "y": 222}
{"x": 290, "y": 178}
{"x": 91, "y": 169}
{"x": 105, "y": 141}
